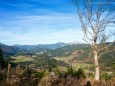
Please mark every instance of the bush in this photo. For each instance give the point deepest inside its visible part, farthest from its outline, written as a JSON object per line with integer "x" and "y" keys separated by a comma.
{"x": 73, "y": 73}
{"x": 70, "y": 71}
{"x": 106, "y": 76}
{"x": 80, "y": 73}
{"x": 41, "y": 74}
{"x": 3, "y": 63}
{"x": 57, "y": 71}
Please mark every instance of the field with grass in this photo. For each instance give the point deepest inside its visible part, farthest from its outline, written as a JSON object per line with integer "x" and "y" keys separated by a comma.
{"x": 21, "y": 58}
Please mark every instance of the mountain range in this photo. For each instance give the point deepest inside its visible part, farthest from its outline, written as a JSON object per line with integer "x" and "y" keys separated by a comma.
{"x": 74, "y": 51}
{"x": 14, "y": 49}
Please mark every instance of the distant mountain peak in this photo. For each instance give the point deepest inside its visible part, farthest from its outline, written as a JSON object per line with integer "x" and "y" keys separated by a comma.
{"x": 74, "y": 43}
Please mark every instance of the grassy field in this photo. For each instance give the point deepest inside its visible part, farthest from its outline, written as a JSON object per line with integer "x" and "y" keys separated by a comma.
{"x": 75, "y": 65}
{"x": 21, "y": 58}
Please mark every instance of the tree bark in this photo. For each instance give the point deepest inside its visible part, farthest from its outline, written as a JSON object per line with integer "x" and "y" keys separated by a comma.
{"x": 96, "y": 66}
{"x": 95, "y": 54}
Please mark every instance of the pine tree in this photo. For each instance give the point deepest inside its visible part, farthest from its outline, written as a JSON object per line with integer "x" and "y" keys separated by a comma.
{"x": 2, "y": 61}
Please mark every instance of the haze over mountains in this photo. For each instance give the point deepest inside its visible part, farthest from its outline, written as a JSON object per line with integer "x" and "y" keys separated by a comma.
{"x": 11, "y": 50}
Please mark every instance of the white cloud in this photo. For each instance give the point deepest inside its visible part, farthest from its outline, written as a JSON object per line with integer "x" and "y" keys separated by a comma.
{"x": 67, "y": 35}
{"x": 51, "y": 28}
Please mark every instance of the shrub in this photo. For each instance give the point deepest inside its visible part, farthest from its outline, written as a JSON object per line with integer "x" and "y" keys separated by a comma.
{"x": 3, "y": 63}
{"x": 41, "y": 74}
{"x": 106, "y": 76}
{"x": 70, "y": 71}
{"x": 57, "y": 71}
{"x": 80, "y": 73}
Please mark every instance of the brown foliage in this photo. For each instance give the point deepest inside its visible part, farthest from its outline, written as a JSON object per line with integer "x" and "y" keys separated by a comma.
{"x": 25, "y": 77}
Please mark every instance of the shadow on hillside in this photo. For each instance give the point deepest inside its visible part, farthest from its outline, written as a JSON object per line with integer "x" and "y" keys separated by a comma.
{"x": 21, "y": 63}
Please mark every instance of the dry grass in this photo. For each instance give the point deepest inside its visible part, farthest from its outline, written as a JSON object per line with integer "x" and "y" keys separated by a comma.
{"x": 25, "y": 77}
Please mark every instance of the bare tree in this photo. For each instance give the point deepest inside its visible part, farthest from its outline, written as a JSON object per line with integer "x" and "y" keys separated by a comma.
{"x": 96, "y": 17}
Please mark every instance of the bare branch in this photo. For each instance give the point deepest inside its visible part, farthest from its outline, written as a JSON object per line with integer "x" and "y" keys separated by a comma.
{"x": 105, "y": 52}
{"x": 86, "y": 41}
{"x": 105, "y": 47}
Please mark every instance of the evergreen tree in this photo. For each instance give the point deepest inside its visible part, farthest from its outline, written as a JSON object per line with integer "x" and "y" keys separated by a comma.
{"x": 2, "y": 61}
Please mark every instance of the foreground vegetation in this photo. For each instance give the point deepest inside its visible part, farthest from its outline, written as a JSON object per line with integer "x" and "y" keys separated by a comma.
{"x": 24, "y": 76}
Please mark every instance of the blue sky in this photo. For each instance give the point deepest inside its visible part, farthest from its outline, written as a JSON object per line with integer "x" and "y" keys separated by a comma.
{"x": 38, "y": 22}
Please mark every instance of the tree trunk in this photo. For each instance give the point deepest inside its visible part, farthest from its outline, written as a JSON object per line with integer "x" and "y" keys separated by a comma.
{"x": 95, "y": 55}
{"x": 96, "y": 62}
{"x": 96, "y": 65}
